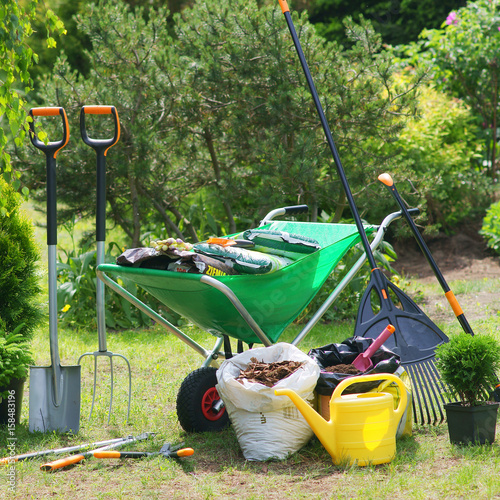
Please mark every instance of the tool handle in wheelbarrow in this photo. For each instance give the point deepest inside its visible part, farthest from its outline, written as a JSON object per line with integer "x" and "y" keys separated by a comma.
{"x": 50, "y": 149}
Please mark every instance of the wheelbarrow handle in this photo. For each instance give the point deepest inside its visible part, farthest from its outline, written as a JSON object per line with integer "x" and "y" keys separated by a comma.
{"x": 296, "y": 209}
{"x": 99, "y": 144}
{"x": 51, "y": 148}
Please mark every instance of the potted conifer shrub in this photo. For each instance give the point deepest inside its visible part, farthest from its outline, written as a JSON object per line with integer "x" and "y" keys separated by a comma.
{"x": 15, "y": 358}
{"x": 468, "y": 364}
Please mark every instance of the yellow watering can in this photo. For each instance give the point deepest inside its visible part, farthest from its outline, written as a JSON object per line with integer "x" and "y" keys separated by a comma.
{"x": 362, "y": 427}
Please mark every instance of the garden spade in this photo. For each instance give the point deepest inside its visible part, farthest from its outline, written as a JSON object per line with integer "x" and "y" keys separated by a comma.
{"x": 54, "y": 399}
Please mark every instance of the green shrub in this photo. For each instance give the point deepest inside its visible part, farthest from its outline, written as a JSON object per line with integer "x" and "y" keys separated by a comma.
{"x": 15, "y": 357}
{"x": 441, "y": 153}
{"x": 468, "y": 364}
{"x": 19, "y": 275}
{"x": 491, "y": 227}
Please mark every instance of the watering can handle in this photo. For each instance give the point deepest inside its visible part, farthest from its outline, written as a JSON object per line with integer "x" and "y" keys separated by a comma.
{"x": 370, "y": 378}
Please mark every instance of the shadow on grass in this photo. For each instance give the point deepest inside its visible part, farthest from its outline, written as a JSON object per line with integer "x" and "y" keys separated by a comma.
{"x": 219, "y": 452}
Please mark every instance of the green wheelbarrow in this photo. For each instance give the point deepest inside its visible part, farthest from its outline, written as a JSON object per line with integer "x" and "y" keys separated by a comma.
{"x": 248, "y": 308}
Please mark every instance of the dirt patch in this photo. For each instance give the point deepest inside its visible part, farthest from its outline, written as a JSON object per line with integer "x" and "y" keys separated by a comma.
{"x": 269, "y": 374}
{"x": 463, "y": 256}
{"x": 460, "y": 256}
{"x": 349, "y": 369}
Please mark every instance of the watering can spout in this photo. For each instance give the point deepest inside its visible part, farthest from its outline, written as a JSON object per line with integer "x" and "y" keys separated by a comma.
{"x": 322, "y": 428}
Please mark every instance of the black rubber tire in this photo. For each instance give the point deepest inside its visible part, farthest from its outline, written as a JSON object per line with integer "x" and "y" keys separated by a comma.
{"x": 192, "y": 409}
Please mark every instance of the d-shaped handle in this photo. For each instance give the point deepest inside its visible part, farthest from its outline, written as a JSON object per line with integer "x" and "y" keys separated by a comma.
{"x": 52, "y": 148}
{"x": 99, "y": 144}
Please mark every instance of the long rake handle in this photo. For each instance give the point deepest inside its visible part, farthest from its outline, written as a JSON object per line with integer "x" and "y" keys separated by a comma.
{"x": 328, "y": 134}
{"x": 450, "y": 296}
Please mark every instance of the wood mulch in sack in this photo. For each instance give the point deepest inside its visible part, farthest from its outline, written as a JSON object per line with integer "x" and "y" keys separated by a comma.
{"x": 268, "y": 374}
{"x": 349, "y": 369}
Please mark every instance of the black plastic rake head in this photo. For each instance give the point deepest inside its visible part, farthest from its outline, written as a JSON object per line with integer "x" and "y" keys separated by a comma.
{"x": 414, "y": 340}
{"x": 416, "y": 336}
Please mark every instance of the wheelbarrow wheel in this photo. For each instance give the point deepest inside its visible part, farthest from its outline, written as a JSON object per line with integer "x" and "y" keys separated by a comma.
{"x": 195, "y": 402}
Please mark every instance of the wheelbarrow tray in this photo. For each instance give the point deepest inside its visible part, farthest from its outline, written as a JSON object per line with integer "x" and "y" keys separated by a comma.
{"x": 273, "y": 300}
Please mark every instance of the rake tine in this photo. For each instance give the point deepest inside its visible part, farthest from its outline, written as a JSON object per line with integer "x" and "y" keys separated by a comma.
{"x": 433, "y": 385}
{"x": 433, "y": 372}
{"x": 424, "y": 394}
{"x": 426, "y": 397}
{"x": 419, "y": 394}
{"x": 431, "y": 376}
{"x": 416, "y": 394}
{"x": 431, "y": 393}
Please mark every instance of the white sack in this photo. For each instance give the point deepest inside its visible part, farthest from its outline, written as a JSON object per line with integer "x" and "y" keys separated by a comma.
{"x": 268, "y": 426}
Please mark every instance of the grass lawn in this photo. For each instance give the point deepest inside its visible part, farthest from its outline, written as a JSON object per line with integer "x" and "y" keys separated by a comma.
{"x": 426, "y": 465}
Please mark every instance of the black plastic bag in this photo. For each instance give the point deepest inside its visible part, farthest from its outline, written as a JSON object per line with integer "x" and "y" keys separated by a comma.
{"x": 384, "y": 361}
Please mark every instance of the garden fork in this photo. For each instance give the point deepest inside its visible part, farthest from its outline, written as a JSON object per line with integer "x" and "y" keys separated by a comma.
{"x": 101, "y": 147}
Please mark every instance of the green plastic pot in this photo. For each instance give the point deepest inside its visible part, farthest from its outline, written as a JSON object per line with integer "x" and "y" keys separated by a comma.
{"x": 10, "y": 406}
{"x": 472, "y": 424}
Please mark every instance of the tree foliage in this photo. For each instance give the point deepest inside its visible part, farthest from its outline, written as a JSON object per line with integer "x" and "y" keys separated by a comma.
{"x": 16, "y": 61}
{"x": 465, "y": 55}
{"x": 217, "y": 122}
{"x": 19, "y": 277}
{"x": 398, "y": 21}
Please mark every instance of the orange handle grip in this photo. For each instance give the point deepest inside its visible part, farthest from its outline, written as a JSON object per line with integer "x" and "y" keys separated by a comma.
{"x": 62, "y": 462}
{"x": 386, "y": 179}
{"x": 284, "y": 6}
{"x": 450, "y": 296}
{"x": 185, "y": 452}
{"x": 223, "y": 242}
{"x": 6, "y": 461}
{"x": 106, "y": 454}
{"x": 97, "y": 110}
{"x": 49, "y": 111}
